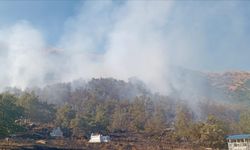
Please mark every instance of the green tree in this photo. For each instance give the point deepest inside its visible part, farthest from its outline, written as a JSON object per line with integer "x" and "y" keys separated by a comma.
{"x": 245, "y": 121}
{"x": 64, "y": 115}
{"x": 157, "y": 122}
{"x": 183, "y": 122}
{"x": 120, "y": 117}
{"x": 101, "y": 118}
{"x": 80, "y": 126}
{"x": 34, "y": 109}
{"x": 212, "y": 133}
{"x": 9, "y": 112}
{"x": 137, "y": 113}
{"x": 29, "y": 102}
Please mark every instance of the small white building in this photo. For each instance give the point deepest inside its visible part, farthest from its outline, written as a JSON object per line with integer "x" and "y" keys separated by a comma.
{"x": 57, "y": 132}
{"x": 239, "y": 142}
{"x": 98, "y": 138}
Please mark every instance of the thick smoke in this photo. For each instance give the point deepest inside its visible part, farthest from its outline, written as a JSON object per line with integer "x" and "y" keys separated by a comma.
{"x": 105, "y": 39}
{"x": 118, "y": 41}
{"x": 110, "y": 39}
{"x": 22, "y": 56}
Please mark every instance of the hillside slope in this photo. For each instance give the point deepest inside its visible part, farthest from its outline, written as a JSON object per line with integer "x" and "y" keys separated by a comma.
{"x": 231, "y": 86}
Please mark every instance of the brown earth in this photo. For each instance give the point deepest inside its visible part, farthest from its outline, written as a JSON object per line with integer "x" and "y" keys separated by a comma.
{"x": 136, "y": 143}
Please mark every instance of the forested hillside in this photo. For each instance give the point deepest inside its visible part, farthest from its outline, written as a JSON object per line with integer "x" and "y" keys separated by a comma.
{"x": 107, "y": 105}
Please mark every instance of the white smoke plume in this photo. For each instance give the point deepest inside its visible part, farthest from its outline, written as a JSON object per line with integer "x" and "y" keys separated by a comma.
{"x": 109, "y": 39}
{"x": 104, "y": 40}
{"x": 22, "y": 56}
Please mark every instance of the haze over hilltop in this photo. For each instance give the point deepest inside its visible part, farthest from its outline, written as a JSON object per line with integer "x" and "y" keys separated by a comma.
{"x": 191, "y": 86}
{"x": 87, "y": 39}
{"x": 231, "y": 86}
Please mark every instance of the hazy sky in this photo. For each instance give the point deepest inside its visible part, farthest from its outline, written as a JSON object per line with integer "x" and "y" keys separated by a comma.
{"x": 120, "y": 38}
{"x": 224, "y": 27}
{"x": 47, "y": 15}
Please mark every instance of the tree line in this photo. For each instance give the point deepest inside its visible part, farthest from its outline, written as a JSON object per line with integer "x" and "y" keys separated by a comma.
{"x": 109, "y": 105}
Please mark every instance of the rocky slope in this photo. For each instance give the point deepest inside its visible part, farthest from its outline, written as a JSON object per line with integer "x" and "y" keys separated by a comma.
{"x": 233, "y": 86}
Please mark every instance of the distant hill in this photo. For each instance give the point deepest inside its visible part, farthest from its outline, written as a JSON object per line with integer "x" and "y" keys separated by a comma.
{"x": 233, "y": 86}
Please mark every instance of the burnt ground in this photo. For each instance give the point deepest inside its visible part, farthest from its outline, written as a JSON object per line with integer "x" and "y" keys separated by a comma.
{"x": 83, "y": 145}
{"x": 136, "y": 142}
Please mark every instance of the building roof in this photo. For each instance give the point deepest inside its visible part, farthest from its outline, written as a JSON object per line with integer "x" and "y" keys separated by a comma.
{"x": 238, "y": 136}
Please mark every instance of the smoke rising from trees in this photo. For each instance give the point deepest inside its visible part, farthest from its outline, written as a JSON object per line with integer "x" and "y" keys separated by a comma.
{"x": 112, "y": 39}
